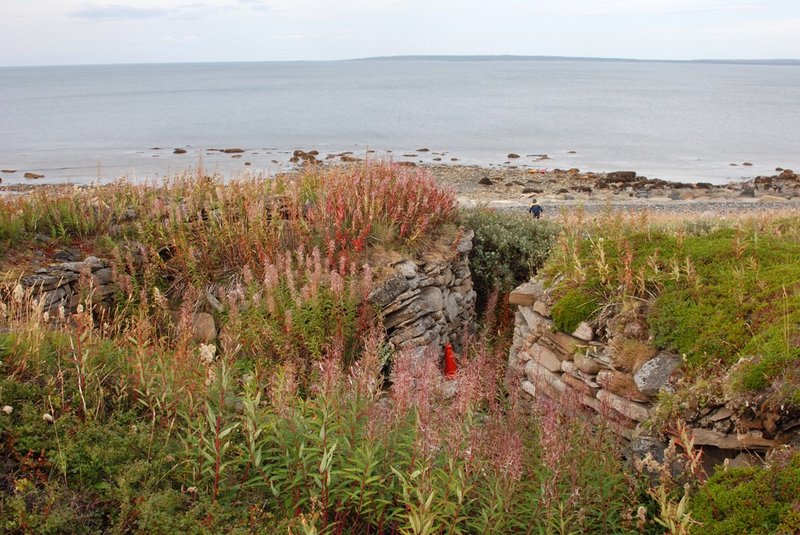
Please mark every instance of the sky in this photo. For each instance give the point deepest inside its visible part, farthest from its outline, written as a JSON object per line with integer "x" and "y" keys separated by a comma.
{"x": 64, "y": 32}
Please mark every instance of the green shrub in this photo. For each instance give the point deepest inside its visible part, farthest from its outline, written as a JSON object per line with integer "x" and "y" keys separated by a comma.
{"x": 751, "y": 500}
{"x": 507, "y": 249}
{"x": 573, "y": 307}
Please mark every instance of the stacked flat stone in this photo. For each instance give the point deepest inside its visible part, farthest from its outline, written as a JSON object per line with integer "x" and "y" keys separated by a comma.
{"x": 428, "y": 302}
{"x": 66, "y": 284}
{"x": 579, "y": 367}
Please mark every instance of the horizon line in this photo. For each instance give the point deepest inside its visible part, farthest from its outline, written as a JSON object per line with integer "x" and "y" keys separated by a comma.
{"x": 447, "y": 57}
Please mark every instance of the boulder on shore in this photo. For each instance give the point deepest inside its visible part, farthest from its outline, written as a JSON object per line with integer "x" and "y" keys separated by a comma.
{"x": 621, "y": 176}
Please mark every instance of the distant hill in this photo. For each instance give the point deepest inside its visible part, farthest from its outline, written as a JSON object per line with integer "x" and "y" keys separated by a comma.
{"x": 793, "y": 62}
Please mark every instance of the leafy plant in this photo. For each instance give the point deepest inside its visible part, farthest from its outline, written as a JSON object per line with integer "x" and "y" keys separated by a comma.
{"x": 507, "y": 249}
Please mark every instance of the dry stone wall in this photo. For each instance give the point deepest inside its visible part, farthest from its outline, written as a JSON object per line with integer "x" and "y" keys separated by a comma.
{"x": 428, "y": 302}
{"x": 580, "y": 367}
{"x": 65, "y": 285}
{"x": 425, "y": 302}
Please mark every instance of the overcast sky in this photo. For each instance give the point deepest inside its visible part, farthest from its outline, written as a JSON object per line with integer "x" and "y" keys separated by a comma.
{"x": 48, "y": 32}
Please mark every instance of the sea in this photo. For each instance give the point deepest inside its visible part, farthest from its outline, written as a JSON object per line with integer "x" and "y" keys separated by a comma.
{"x": 680, "y": 121}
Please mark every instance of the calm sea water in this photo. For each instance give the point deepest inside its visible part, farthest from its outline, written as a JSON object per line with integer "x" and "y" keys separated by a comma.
{"x": 679, "y": 121}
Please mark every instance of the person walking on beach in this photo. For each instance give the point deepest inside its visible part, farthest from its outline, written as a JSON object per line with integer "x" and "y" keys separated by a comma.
{"x": 535, "y": 210}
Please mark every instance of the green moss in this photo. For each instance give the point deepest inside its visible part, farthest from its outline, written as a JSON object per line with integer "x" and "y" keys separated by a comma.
{"x": 575, "y": 306}
{"x": 750, "y": 500}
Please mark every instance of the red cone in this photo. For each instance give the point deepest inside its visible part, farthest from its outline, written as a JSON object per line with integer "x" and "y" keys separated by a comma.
{"x": 450, "y": 366}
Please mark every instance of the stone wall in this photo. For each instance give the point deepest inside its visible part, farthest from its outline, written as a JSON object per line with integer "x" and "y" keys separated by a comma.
{"x": 67, "y": 284}
{"x": 424, "y": 302}
{"x": 580, "y": 368}
{"x": 428, "y": 302}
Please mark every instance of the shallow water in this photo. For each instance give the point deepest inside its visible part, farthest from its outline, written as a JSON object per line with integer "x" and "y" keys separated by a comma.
{"x": 668, "y": 120}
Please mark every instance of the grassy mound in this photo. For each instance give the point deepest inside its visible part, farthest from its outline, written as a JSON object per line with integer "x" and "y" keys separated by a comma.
{"x": 725, "y": 294}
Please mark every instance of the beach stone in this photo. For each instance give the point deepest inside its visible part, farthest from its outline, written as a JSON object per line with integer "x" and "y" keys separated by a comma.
{"x": 204, "y": 329}
{"x": 747, "y": 192}
{"x": 512, "y": 156}
{"x": 561, "y": 342}
{"x": 721, "y": 414}
{"x": 75, "y": 267}
{"x": 655, "y": 373}
{"x": 485, "y": 181}
{"x": 787, "y": 174}
{"x": 414, "y": 330}
{"x": 94, "y": 263}
{"x": 706, "y": 437}
{"x": 621, "y": 176}
{"x": 54, "y": 297}
{"x": 33, "y": 176}
{"x": 416, "y": 308}
{"x": 579, "y": 385}
{"x": 179, "y": 151}
{"x": 451, "y": 307}
{"x": 535, "y": 322}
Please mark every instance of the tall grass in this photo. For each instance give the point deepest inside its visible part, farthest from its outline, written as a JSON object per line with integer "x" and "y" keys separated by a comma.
{"x": 288, "y": 422}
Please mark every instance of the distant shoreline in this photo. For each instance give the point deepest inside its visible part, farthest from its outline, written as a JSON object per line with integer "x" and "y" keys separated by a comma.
{"x": 709, "y": 61}
{"x": 785, "y": 62}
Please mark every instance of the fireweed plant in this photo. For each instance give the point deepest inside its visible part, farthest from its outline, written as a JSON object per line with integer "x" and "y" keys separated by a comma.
{"x": 288, "y": 421}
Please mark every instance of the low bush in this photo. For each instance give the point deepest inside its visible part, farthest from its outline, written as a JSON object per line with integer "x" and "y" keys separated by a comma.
{"x": 507, "y": 249}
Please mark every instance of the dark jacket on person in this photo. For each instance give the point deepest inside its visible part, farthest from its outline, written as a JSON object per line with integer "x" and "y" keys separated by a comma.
{"x": 536, "y": 210}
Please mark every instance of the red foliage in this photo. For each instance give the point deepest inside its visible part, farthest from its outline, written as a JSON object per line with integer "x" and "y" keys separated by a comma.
{"x": 352, "y": 200}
